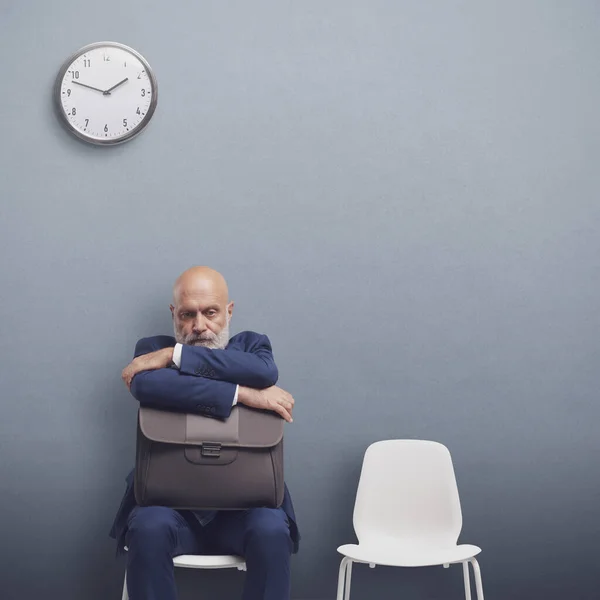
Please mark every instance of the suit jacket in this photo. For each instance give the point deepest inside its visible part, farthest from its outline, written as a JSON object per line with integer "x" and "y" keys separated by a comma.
{"x": 204, "y": 384}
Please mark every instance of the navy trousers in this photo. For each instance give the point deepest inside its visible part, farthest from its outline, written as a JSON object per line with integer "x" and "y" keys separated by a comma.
{"x": 156, "y": 534}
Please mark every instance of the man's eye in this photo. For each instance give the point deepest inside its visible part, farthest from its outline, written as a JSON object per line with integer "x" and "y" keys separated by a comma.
{"x": 187, "y": 315}
{"x": 211, "y": 313}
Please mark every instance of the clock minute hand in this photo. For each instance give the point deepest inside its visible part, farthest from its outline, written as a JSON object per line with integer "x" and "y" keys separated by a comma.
{"x": 109, "y": 90}
{"x": 88, "y": 86}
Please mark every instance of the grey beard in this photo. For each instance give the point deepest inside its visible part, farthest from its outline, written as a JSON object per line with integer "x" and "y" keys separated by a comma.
{"x": 211, "y": 341}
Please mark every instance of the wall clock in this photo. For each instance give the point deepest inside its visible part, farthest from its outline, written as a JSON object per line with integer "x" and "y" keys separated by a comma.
{"x": 106, "y": 93}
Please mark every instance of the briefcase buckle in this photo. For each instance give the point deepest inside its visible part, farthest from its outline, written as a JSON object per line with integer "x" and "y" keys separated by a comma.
{"x": 211, "y": 450}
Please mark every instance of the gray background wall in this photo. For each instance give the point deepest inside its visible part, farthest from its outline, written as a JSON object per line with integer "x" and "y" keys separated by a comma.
{"x": 403, "y": 195}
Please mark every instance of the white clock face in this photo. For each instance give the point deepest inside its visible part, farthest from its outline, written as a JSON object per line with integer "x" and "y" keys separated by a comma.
{"x": 106, "y": 93}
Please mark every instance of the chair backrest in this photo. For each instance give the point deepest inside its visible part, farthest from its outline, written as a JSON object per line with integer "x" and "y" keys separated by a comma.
{"x": 407, "y": 492}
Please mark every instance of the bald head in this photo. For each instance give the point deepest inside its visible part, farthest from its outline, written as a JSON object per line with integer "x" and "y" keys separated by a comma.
{"x": 201, "y": 280}
{"x": 201, "y": 309}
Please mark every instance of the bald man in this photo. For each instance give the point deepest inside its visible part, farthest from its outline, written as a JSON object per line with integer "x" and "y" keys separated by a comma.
{"x": 201, "y": 370}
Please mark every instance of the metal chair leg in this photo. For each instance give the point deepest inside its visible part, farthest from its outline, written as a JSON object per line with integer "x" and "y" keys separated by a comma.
{"x": 467, "y": 579}
{"x": 478, "y": 582}
{"x": 342, "y": 578}
{"x": 348, "y": 580}
{"x": 125, "y": 594}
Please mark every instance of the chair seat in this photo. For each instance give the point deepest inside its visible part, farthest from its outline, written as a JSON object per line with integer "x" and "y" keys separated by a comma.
{"x": 408, "y": 555}
{"x": 207, "y": 561}
{"x": 200, "y": 561}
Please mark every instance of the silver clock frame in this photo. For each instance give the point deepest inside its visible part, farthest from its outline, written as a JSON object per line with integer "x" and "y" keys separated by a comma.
{"x": 131, "y": 134}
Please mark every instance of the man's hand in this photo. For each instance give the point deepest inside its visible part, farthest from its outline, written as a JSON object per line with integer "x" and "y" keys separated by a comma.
{"x": 273, "y": 398}
{"x": 160, "y": 359}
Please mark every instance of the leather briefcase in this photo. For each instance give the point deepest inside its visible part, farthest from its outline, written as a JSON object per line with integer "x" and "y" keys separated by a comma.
{"x": 187, "y": 461}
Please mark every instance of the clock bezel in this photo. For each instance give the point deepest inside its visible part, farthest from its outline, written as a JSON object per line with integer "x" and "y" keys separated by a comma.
{"x": 81, "y": 135}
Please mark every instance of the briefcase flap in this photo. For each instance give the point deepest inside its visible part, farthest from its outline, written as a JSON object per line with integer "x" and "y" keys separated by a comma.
{"x": 245, "y": 428}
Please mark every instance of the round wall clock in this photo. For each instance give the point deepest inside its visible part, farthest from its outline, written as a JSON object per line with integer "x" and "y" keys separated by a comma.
{"x": 106, "y": 93}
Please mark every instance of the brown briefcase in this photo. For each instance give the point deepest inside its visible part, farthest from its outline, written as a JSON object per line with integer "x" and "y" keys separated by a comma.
{"x": 187, "y": 461}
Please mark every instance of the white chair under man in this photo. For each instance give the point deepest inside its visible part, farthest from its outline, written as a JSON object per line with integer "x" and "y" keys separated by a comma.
{"x": 197, "y": 561}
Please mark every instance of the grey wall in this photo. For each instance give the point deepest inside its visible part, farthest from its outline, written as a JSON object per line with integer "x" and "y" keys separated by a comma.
{"x": 403, "y": 195}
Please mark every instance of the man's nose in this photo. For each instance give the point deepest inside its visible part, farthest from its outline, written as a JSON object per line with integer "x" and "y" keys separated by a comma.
{"x": 200, "y": 324}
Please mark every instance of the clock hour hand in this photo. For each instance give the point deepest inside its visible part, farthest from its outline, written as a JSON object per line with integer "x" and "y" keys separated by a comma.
{"x": 114, "y": 87}
{"x": 88, "y": 86}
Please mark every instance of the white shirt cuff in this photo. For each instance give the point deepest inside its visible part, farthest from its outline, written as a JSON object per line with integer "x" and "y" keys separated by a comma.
{"x": 177, "y": 356}
{"x": 237, "y": 389}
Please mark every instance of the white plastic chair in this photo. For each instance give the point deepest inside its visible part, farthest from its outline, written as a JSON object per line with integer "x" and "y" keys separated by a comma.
{"x": 197, "y": 561}
{"x": 407, "y": 513}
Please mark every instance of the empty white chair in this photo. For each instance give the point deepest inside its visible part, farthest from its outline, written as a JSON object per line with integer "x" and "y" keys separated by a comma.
{"x": 197, "y": 561}
{"x": 407, "y": 513}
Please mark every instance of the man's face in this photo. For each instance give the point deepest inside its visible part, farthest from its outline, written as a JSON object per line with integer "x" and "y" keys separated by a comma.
{"x": 201, "y": 315}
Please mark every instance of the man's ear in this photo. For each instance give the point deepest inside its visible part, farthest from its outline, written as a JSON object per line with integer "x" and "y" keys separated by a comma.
{"x": 230, "y": 308}
{"x": 172, "y": 310}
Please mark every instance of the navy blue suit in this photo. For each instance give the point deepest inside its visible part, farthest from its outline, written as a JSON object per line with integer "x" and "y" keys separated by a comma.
{"x": 205, "y": 384}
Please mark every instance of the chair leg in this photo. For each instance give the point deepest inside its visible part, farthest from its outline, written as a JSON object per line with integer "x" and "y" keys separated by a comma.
{"x": 343, "y": 583}
{"x": 125, "y": 594}
{"x": 467, "y": 580}
{"x": 348, "y": 580}
{"x": 478, "y": 582}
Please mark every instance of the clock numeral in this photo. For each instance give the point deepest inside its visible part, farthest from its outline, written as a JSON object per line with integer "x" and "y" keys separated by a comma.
{"x": 143, "y": 93}
{"x": 106, "y": 128}
{"x": 69, "y": 93}
{"x": 87, "y": 62}
{"x": 124, "y": 122}
{"x": 140, "y": 75}
{"x": 86, "y": 122}
{"x": 106, "y": 58}
{"x": 125, "y": 64}
{"x": 74, "y": 74}
{"x": 73, "y": 111}
{"x": 138, "y": 112}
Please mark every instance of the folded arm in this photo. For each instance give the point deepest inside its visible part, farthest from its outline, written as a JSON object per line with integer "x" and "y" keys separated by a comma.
{"x": 253, "y": 366}
{"x": 170, "y": 389}
{"x": 154, "y": 384}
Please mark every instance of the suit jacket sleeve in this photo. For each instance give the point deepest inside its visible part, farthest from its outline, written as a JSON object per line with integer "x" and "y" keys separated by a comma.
{"x": 251, "y": 365}
{"x": 171, "y": 389}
